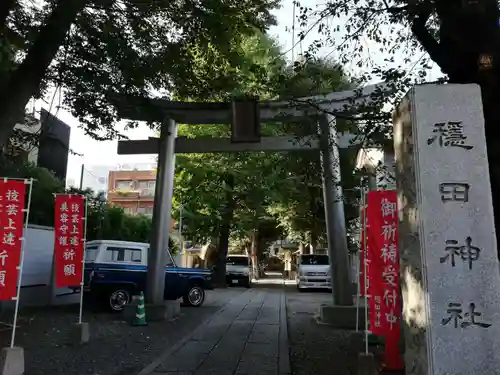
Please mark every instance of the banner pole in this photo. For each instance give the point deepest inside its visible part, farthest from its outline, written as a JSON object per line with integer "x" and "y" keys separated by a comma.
{"x": 21, "y": 263}
{"x": 84, "y": 240}
{"x": 358, "y": 292}
{"x": 365, "y": 266}
{"x": 358, "y": 298}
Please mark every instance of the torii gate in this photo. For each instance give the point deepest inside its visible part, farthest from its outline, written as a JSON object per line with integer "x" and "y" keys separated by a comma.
{"x": 328, "y": 141}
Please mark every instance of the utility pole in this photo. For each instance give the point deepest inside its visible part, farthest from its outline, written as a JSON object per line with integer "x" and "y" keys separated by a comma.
{"x": 81, "y": 176}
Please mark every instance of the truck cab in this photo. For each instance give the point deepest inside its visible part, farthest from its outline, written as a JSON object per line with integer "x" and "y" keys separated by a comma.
{"x": 116, "y": 270}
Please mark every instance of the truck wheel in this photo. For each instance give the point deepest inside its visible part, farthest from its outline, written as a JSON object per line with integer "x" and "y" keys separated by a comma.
{"x": 195, "y": 296}
{"x": 118, "y": 298}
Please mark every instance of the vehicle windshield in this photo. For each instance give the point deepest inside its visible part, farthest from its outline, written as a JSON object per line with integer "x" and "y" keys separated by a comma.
{"x": 91, "y": 253}
{"x": 237, "y": 261}
{"x": 321, "y": 260}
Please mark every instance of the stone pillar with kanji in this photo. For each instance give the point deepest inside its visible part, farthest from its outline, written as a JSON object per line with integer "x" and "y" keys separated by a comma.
{"x": 449, "y": 270}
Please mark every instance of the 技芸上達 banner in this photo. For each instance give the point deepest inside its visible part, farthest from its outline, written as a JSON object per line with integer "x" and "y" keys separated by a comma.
{"x": 385, "y": 307}
{"x": 13, "y": 194}
{"x": 69, "y": 227}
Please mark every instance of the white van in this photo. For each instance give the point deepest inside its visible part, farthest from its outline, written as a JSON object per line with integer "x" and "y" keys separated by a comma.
{"x": 238, "y": 270}
{"x": 313, "y": 271}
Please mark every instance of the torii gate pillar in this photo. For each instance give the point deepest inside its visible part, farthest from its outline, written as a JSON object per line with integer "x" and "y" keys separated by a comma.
{"x": 334, "y": 212}
{"x": 161, "y": 214}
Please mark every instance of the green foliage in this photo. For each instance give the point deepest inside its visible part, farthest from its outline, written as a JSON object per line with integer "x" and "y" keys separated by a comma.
{"x": 277, "y": 194}
{"x": 95, "y": 49}
{"x": 200, "y": 177}
{"x": 298, "y": 201}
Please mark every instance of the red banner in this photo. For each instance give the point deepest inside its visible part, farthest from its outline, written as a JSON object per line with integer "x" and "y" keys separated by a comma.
{"x": 69, "y": 239}
{"x": 12, "y": 196}
{"x": 384, "y": 262}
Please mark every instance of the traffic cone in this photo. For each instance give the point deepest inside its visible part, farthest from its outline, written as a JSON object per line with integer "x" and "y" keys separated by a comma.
{"x": 140, "y": 313}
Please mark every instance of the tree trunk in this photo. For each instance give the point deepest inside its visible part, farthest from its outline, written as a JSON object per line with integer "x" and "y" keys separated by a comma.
{"x": 301, "y": 248}
{"x": 253, "y": 254}
{"x": 225, "y": 232}
{"x": 260, "y": 252}
{"x": 470, "y": 55}
{"x": 20, "y": 86}
{"x": 313, "y": 243}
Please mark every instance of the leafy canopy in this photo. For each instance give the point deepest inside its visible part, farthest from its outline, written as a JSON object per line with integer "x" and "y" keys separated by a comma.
{"x": 94, "y": 49}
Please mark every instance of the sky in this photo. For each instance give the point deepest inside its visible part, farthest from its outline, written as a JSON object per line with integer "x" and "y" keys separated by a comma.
{"x": 94, "y": 153}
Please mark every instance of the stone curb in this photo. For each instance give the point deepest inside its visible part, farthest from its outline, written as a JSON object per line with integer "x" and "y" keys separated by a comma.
{"x": 284, "y": 349}
{"x": 149, "y": 369}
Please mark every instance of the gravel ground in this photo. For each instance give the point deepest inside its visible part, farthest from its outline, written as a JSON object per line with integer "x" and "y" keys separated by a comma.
{"x": 115, "y": 347}
{"x": 315, "y": 348}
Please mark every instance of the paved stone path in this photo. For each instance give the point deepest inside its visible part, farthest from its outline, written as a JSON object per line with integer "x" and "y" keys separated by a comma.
{"x": 248, "y": 336}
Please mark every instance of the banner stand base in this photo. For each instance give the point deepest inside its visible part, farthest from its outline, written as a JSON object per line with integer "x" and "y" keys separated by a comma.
{"x": 12, "y": 361}
{"x": 80, "y": 333}
{"x": 342, "y": 317}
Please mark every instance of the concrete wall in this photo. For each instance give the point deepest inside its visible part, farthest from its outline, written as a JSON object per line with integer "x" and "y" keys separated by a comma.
{"x": 38, "y": 252}
{"x": 35, "y": 282}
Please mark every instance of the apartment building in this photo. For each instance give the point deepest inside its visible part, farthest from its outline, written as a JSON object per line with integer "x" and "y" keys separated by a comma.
{"x": 133, "y": 190}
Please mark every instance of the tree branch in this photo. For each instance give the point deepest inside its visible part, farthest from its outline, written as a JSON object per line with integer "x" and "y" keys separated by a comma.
{"x": 26, "y": 79}
{"x": 427, "y": 41}
{"x": 5, "y": 8}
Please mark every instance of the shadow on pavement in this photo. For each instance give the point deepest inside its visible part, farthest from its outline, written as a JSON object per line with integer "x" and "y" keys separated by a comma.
{"x": 317, "y": 348}
{"x": 115, "y": 346}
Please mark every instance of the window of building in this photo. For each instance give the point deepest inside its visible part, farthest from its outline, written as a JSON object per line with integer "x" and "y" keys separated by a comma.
{"x": 122, "y": 254}
{"x": 129, "y": 210}
{"x": 147, "y": 187}
{"x": 148, "y": 210}
{"x": 123, "y": 184}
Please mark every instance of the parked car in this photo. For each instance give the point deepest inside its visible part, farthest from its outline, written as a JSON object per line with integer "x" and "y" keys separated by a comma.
{"x": 313, "y": 272}
{"x": 238, "y": 270}
{"x": 116, "y": 270}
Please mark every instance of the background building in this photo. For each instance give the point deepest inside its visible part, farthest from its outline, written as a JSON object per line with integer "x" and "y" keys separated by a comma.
{"x": 133, "y": 190}
{"x": 44, "y": 142}
{"x": 53, "y": 149}
{"x": 95, "y": 177}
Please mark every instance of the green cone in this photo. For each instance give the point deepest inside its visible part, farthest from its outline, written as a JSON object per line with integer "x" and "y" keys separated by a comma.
{"x": 140, "y": 314}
